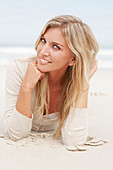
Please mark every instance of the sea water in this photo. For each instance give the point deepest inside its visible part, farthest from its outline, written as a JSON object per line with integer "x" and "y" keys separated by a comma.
{"x": 7, "y": 54}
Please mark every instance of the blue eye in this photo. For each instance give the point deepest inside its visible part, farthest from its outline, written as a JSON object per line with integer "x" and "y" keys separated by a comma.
{"x": 55, "y": 46}
{"x": 43, "y": 40}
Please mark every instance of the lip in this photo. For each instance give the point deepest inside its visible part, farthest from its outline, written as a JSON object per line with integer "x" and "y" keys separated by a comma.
{"x": 43, "y": 63}
{"x": 44, "y": 59}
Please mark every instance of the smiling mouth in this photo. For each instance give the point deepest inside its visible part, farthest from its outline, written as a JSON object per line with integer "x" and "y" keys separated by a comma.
{"x": 44, "y": 61}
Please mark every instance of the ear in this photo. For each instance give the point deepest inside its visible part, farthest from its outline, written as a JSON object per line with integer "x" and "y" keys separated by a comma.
{"x": 72, "y": 61}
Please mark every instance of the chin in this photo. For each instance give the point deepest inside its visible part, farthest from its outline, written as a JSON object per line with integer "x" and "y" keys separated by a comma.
{"x": 41, "y": 69}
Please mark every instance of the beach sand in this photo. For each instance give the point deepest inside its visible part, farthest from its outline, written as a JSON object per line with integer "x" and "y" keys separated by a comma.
{"x": 38, "y": 153}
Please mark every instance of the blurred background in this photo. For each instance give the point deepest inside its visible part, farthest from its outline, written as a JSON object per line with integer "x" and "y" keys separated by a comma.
{"x": 22, "y": 21}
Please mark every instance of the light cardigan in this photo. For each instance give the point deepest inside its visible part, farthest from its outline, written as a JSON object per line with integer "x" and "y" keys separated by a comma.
{"x": 17, "y": 126}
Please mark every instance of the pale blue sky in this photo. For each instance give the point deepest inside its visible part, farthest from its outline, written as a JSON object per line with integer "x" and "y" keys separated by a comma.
{"x": 21, "y": 21}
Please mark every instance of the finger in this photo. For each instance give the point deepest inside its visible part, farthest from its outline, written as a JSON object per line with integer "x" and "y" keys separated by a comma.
{"x": 93, "y": 68}
{"x": 41, "y": 76}
{"x": 34, "y": 61}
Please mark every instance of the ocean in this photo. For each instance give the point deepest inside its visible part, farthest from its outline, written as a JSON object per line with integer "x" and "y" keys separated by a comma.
{"x": 7, "y": 54}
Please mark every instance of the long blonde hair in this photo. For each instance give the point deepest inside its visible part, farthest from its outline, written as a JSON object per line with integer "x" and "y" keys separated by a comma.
{"x": 84, "y": 48}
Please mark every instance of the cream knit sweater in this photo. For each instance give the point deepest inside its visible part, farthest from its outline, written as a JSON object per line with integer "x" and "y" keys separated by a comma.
{"x": 17, "y": 126}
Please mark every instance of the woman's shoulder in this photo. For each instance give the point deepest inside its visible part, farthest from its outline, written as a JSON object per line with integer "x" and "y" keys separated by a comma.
{"x": 19, "y": 65}
{"x": 24, "y": 60}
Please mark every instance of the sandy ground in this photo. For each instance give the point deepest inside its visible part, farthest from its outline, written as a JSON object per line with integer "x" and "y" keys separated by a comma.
{"x": 37, "y": 153}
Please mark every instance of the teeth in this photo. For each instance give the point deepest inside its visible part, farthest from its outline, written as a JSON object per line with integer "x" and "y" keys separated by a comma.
{"x": 44, "y": 61}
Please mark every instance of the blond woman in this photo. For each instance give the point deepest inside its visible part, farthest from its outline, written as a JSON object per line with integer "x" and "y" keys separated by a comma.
{"x": 49, "y": 92}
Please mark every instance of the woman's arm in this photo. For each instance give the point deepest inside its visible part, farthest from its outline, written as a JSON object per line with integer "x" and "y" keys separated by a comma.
{"x": 17, "y": 117}
{"x": 16, "y": 125}
{"x": 32, "y": 76}
{"x": 23, "y": 104}
{"x": 75, "y": 128}
{"x": 81, "y": 101}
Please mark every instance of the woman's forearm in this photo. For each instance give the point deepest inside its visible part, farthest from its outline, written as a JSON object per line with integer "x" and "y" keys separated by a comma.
{"x": 23, "y": 104}
{"x": 81, "y": 101}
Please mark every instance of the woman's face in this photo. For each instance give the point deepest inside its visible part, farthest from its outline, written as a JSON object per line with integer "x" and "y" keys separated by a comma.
{"x": 53, "y": 53}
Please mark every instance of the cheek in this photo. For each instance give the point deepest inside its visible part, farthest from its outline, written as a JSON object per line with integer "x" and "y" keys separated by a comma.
{"x": 38, "y": 50}
{"x": 59, "y": 55}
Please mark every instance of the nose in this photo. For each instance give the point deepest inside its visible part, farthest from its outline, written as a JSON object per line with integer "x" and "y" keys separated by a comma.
{"x": 45, "y": 50}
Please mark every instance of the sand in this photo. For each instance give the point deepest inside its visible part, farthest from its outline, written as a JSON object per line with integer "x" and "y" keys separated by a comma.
{"x": 38, "y": 153}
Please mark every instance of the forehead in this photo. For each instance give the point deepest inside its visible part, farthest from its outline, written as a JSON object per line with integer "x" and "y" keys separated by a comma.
{"x": 55, "y": 34}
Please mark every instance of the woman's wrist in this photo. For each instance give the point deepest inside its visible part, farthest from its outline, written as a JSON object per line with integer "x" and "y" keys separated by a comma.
{"x": 81, "y": 101}
{"x": 85, "y": 91}
{"x": 26, "y": 88}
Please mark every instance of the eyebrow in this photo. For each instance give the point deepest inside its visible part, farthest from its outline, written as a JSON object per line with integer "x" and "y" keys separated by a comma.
{"x": 52, "y": 41}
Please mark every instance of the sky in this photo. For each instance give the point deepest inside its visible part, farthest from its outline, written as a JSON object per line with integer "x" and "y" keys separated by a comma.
{"x": 21, "y": 21}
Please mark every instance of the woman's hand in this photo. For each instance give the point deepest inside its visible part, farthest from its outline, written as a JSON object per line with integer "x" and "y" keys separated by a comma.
{"x": 93, "y": 68}
{"x": 32, "y": 76}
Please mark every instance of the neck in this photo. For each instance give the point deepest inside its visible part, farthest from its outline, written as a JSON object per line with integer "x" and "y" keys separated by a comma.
{"x": 55, "y": 79}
